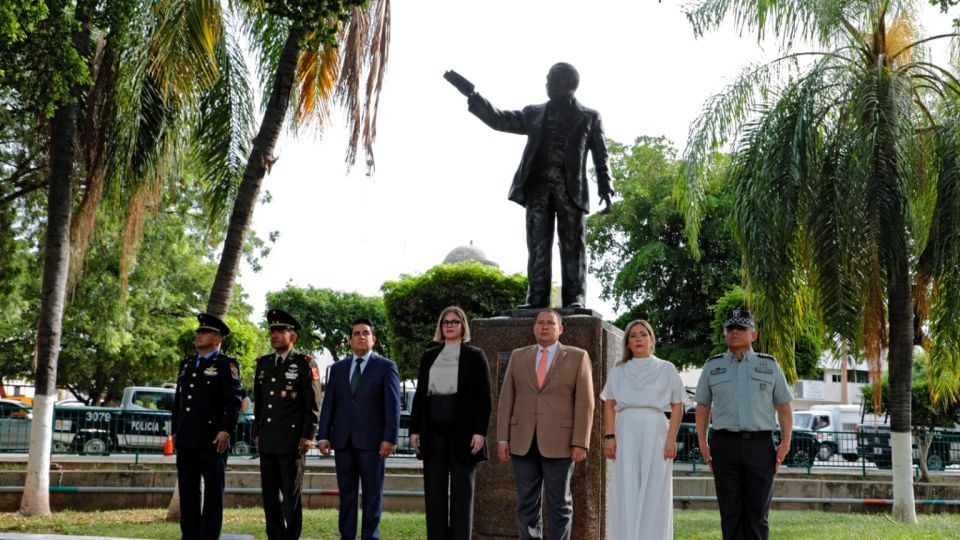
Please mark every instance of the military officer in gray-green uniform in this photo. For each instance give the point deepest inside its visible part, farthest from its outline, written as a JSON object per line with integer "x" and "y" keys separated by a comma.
{"x": 286, "y": 397}
{"x": 743, "y": 394}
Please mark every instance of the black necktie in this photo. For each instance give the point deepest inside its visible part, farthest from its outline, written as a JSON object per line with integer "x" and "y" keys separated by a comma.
{"x": 355, "y": 378}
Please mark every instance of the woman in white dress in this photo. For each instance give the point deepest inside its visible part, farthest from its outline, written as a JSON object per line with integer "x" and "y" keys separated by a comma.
{"x": 639, "y": 389}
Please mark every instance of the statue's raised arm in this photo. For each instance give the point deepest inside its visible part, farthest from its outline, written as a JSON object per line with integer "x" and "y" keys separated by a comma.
{"x": 459, "y": 82}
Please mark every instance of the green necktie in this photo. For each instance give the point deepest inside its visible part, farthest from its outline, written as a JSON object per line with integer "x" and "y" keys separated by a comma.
{"x": 355, "y": 378}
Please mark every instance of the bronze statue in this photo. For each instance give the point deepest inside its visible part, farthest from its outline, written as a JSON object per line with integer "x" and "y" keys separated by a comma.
{"x": 551, "y": 182}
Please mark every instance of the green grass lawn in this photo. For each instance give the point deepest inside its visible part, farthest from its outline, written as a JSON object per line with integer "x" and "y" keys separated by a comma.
{"x": 322, "y": 524}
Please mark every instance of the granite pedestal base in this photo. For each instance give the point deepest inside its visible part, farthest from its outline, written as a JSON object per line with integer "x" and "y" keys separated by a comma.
{"x": 496, "y": 498}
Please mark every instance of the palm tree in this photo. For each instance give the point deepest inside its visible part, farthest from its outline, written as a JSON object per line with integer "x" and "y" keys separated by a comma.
{"x": 317, "y": 42}
{"x": 846, "y": 172}
{"x": 56, "y": 262}
{"x": 151, "y": 60}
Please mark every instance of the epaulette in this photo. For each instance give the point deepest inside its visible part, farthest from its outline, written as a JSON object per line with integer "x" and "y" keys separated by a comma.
{"x": 765, "y": 355}
{"x": 264, "y": 357}
{"x": 227, "y": 359}
{"x": 714, "y": 357}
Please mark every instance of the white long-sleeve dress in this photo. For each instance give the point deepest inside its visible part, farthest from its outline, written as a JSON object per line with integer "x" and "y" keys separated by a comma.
{"x": 641, "y": 499}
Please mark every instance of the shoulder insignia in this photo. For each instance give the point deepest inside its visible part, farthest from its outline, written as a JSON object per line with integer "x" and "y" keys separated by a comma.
{"x": 315, "y": 371}
{"x": 235, "y": 370}
{"x": 714, "y": 357}
{"x": 765, "y": 355}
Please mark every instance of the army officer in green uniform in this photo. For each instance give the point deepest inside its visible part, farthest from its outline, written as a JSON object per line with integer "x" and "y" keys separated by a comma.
{"x": 286, "y": 397}
{"x": 205, "y": 410}
{"x": 744, "y": 394}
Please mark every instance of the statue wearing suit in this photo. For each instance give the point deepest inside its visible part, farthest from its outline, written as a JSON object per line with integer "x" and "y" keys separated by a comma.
{"x": 551, "y": 182}
{"x": 359, "y": 419}
{"x": 544, "y": 420}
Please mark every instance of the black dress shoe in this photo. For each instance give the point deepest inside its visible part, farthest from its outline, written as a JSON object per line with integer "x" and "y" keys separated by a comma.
{"x": 574, "y": 305}
{"x": 532, "y": 306}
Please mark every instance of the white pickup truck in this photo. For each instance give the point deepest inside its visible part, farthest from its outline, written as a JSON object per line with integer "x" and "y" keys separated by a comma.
{"x": 141, "y": 423}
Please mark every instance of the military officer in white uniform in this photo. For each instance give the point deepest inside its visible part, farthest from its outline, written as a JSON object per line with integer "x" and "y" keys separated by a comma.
{"x": 743, "y": 394}
{"x": 286, "y": 397}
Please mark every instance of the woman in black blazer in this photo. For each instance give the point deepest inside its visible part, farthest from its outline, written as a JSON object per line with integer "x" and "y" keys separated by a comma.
{"x": 448, "y": 425}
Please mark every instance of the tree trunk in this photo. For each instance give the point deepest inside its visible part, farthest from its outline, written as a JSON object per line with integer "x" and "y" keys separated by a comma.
{"x": 56, "y": 265}
{"x": 260, "y": 161}
{"x": 844, "y": 354}
{"x": 261, "y": 158}
{"x": 924, "y": 441}
{"x": 900, "y": 359}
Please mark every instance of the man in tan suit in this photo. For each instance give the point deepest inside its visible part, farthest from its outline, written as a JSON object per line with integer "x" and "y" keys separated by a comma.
{"x": 543, "y": 425}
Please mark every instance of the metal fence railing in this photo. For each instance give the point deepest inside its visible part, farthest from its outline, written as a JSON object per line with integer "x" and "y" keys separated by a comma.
{"x": 867, "y": 448}
{"x": 98, "y": 430}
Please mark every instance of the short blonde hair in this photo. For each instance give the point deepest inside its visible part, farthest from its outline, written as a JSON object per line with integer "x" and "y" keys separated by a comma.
{"x": 464, "y": 324}
{"x": 627, "y": 353}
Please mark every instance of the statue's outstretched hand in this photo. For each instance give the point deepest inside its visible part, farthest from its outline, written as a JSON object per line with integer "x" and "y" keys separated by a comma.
{"x": 459, "y": 82}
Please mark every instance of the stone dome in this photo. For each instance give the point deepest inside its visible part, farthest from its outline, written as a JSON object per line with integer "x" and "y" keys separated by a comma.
{"x": 468, "y": 253}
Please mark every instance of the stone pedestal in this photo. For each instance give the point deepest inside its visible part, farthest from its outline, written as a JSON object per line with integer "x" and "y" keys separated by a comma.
{"x": 496, "y": 497}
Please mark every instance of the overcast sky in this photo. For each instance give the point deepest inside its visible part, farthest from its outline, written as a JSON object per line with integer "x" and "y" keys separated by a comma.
{"x": 441, "y": 175}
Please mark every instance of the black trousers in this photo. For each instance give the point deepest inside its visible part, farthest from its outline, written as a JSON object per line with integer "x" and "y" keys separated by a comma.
{"x": 535, "y": 474}
{"x": 548, "y": 203}
{"x": 281, "y": 486}
{"x": 448, "y": 517}
{"x": 743, "y": 471}
{"x": 201, "y": 522}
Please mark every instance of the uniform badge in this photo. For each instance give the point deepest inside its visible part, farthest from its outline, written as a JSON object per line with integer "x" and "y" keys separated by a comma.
{"x": 210, "y": 371}
{"x": 316, "y": 372}
{"x": 293, "y": 395}
{"x": 290, "y": 376}
{"x": 235, "y": 371}
{"x": 718, "y": 371}
{"x": 283, "y": 393}
{"x": 766, "y": 370}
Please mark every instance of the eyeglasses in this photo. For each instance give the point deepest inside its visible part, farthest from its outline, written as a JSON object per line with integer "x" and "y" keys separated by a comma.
{"x": 451, "y": 322}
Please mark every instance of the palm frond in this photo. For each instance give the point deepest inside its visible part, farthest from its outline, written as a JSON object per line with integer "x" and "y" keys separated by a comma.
{"x": 225, "y": 126}
{"x": 940, "y": 262}
{"x": 182, "y": 51}
{"x": 722, "y": 117}
{"x": 820, "y": 21}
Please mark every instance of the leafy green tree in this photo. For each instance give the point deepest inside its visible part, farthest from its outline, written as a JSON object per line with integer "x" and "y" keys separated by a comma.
{"x": 846, "y": 180}
{"x": 112, "y": 342}
{"x": 638, "y": 251}
{"x": 327, "y": 315}
{"x": 810, "y": 339}
{"x": 414, "y": 303}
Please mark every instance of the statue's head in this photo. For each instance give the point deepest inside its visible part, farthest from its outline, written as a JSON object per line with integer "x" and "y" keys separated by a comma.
{"x": 562, "y": 81}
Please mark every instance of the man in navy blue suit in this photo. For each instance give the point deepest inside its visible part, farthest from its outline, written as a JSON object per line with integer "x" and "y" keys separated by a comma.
{"x": 359, "y": 419}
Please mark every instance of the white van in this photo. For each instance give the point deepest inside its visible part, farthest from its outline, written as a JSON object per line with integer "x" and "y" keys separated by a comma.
{"x": 835, "y": 427}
